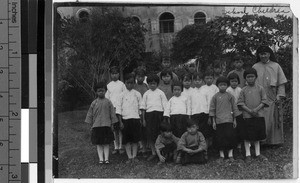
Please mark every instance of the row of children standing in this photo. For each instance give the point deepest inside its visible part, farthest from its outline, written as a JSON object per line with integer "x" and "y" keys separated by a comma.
{"x": 170, "y": 111}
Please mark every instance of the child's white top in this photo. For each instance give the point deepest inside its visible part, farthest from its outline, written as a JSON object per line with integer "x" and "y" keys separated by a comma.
{"x": 197, "y": 101}
{"x": 154, "y": 100}
{"x": 235, "y": 92}
{"x": 178, "y": 105}
{"x": 208, "y": 92}
{"x": 114, "y": 88}
{"x": 187, "y": 92}
{"x": 129, "y": 104}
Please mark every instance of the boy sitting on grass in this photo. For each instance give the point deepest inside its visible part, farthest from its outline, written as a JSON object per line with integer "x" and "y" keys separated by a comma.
{"x": 166, "y": 144}
{"x": 192, "y": 145}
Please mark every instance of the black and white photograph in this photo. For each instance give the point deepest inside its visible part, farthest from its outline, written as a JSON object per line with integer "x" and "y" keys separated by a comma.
{"x": 173, "y": 91}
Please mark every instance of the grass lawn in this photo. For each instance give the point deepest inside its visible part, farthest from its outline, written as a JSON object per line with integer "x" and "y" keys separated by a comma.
{"x": 78, "y": 159}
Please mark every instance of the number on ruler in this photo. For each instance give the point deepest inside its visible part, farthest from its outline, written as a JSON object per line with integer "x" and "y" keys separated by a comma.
{"x": 1, "y": 22}
{"x": 1, "y": 47}
{"x": 1, "y": 96}
{"x": 1, "y": 71}
{"x": 14, "y": 176}
{"x": 1, "y": 167}
{"x": 15, "y": 113}
{"x": 1, "y": 144}
{"x": 1, "y": 119}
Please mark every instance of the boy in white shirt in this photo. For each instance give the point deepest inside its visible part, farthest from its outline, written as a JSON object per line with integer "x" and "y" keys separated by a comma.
{"x": 178, "y": 109}
{"x": 114, "y": 88}
{"x": 128, "y": 110}
{"x": 155, "y": 102}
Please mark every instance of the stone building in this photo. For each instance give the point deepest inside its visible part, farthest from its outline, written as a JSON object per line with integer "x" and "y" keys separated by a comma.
{"x": 161, "y": 21}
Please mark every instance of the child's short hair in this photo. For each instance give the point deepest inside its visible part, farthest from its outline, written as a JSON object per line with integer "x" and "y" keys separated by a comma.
{"x": 198, "y": 74}
{"x": 165, "y": 72}
{"x": 152, "y": 78}
{"x": 187, "y": 76}
{"x": 165, "y": 127}
{"x": 209, "y": 73}
{"x": 222, "y": 79}
{"x": 140, "y": 72}
{"x": 250, "y": 71}
{"x": 191, "y": 122}
{"x": 114, "y": 70}
{"x": 100, "y": 84}
{"x": 237, "y": 57}
{"x": 176, "y": 83}
{"x": 234, "y": 76}
{"x": 129, "y": 76}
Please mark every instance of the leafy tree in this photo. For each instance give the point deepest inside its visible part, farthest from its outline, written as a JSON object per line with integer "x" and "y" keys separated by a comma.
{"x": 86, "y": 48}
{"x": 224, "y": 35}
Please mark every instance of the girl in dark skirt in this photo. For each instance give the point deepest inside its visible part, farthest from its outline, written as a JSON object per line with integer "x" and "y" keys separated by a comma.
{"x": 223, "y": 111}
{"x": 252, "y": 100}
{"x": 101, "y": 115}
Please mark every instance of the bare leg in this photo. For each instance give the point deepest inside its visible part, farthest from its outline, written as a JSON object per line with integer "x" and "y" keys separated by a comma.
{"x": 100, "y": 152}
{"x": 230, "y": 153}
{"x": 120, "y": 139}
{"x": 134, "y": 149}
{"x": 247, "y": 148}
{"x": 152, "y": 148}
{"x": 106, "y": 151}
{"x": 128, "y": 150}
{"x": 116, "y": 142}
{"x": 221, "y": 154}
{"x": 257, "y": 148}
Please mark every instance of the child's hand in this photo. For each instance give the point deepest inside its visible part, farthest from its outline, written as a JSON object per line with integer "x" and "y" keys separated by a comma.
{"x": 112, "y": 128}
{"x": 209, "y": 121}
{"x": 121, "y": 125}
{"x": 214, "y": 126}
{"x": 144, "y": 123}
{"x": 234, "y": 123}
{"x": 161, "y": 158}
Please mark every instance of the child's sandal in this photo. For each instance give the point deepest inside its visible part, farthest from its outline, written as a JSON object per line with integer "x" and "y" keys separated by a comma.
{"x": 101, "y": 162}
{"x": 106, "y": 161}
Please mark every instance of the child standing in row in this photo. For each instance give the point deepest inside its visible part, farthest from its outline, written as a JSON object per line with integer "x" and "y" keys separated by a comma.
{"x": 178, "y": 109}
{"x": 192, "y": 146}
{"x": 223, "y": 111}
{"x": 187, "y": 89}
{"x": 141, "y": 87}
{"x": 238, "y": 69}
{"x": 165, "y": 85}
{"x": 128, "y": 110}
{"x": 155, "y": 102}
{"x": 101, "y": 115}
{"x": 234, "y": 90}
{"x": 198, "y": 108}
{"x": 166, "y": 144}
{"x": 252, "y": 101}
{"x": 114, "y": 88}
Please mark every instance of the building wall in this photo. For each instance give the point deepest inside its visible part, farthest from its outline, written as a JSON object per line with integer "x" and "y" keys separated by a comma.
{"x": 149, "y": 16}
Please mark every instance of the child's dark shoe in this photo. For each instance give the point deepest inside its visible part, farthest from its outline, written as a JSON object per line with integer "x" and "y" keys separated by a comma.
{"x": 106, "y": 162}
{"x": 121, "y": 151}
{"x": 101, "y": 162}
{"x": 151, "y": 157}
{"x": 220, "y": 160}
{"x": 114, "y": 151}
{"x": 261, "y": 158}
{"x": 248, "y": 159}
{"x": 231, "y": 159}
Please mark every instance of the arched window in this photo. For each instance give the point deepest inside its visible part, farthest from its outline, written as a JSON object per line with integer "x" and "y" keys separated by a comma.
{"x": 83, "y": 15}
{"x": 166, "y": 23}
{"x": 135, "y": 18}
{"x": 200, "y": 18}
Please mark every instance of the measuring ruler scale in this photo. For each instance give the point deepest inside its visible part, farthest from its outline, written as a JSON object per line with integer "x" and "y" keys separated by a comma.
{"x": 10, "y": 91}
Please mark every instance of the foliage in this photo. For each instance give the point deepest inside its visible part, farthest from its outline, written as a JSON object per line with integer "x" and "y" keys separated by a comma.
{"x": 86, "y": 48}
{"x": 225, "y": 35}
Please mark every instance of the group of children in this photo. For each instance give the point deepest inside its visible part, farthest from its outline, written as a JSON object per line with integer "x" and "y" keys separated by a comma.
{"x": 178, "y": 120}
